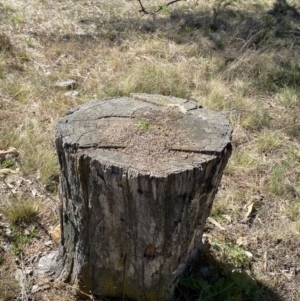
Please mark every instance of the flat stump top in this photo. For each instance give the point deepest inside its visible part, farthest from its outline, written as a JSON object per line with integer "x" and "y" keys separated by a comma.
{"x": 151, "y": 134}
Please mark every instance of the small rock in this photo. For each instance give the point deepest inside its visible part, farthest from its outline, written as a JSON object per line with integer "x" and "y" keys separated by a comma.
{"x": 69, "y": 84}
{"x": 49, "y": 243}
{"x": 248, "y": 254}
{"x": 19, "y": 276}
{"x": 34, "y": 192}
{"x": 3, "y": 225}
{"x": 45, "y": 263}
{"x": 8, "y": 232}
{"x": 28, "y": 271}
{"x": 34, "y": 289}
{"x": 72, "y": 94}
{"x": 5, "y": 246}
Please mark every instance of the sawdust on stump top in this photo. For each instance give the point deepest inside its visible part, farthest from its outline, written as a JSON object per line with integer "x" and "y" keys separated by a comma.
{"x": 147, "y": 131}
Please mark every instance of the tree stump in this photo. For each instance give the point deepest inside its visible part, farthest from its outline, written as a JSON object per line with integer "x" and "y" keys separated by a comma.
{"x": 138, "y": 178}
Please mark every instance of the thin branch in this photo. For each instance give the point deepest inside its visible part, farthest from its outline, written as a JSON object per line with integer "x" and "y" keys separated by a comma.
{"x": 143, "y": 10}
{"x": 169, "y": 3}
{"x": 161, "y": 7}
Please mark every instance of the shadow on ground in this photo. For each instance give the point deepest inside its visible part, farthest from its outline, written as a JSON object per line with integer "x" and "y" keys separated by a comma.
{"x": 212, "y": 280}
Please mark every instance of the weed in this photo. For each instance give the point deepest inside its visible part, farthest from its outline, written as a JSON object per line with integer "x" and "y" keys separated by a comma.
{"x": 7, "y": 163}
{"x": 18, "y": 20}
{"x": 21, "y": 237}
{"x": 164, "y": 9}
{"x": 234, "y": 286}
{"x": 231, "y": 254}
{"x": 23, "y": 56}
{"x": 189, "y": 29}
{"x": 143, "y": 125}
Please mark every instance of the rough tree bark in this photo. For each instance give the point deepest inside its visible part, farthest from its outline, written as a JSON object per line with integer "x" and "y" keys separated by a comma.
{"x": 138, "y": 178}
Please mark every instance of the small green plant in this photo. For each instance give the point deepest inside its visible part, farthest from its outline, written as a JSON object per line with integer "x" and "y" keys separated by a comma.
{"x": 7, "y": 163}
{"x": 188, "y": 29}
{"x": 18, "y": 20}
{"x": 164, "y": 9}
{"x": 20, "y": 238}
{"x": 233, "y": 287}
{"x": 143, "y": 125}
{"x": 231, "y": 254}
{"x": 23, "y": 56}
{"x": 165, "y": 133}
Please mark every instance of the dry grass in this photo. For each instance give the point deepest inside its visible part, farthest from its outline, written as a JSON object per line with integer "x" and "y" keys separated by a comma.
{"x": 19, "y": 211}
{"x": 245, "y": 64}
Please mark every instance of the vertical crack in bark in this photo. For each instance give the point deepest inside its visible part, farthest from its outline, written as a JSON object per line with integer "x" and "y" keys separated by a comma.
{"x": 124, "y": 276}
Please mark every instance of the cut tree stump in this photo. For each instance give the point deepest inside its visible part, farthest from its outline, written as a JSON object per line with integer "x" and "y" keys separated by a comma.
{"x": 138, "y": 179}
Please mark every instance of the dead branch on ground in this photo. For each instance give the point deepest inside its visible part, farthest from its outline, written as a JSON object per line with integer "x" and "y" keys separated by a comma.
{"x": 161, "y": 7}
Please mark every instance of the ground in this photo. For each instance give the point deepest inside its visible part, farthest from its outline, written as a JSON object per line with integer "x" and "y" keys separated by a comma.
{"x": 237, "y": 57}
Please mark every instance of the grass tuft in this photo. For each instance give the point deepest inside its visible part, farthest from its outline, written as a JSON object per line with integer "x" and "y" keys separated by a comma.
{"x": 20, "y": 211}
{"x": 268, "y": 142}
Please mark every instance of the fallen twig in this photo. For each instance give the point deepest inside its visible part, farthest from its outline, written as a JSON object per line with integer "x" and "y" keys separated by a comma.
{"x": 145, "y": 11}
